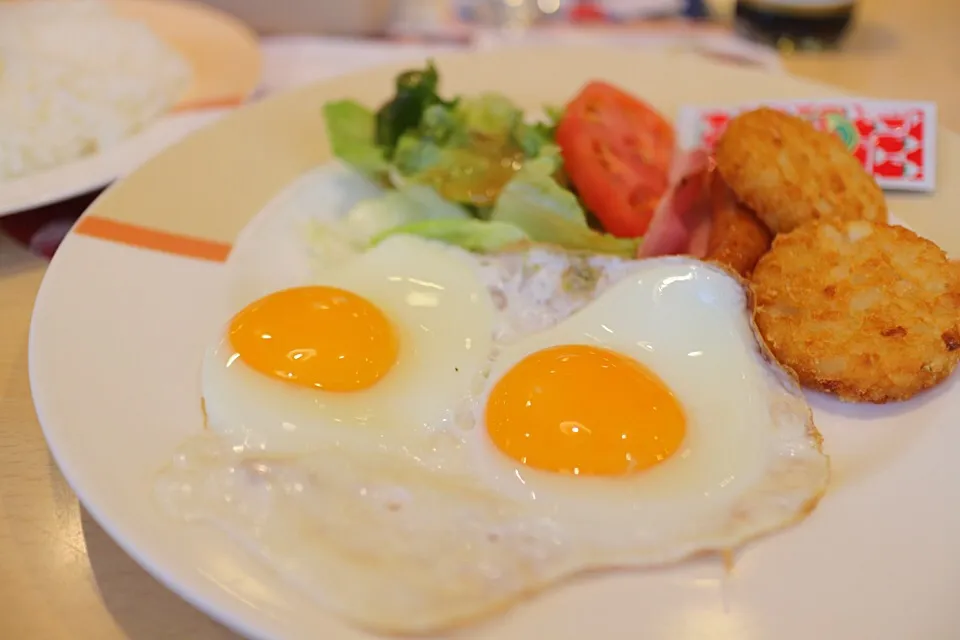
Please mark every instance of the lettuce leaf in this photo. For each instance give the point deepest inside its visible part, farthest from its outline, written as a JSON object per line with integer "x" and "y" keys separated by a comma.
{"x": 416, "y": 92}
{"x": 534, "y": 202}
{"x": 489, "y": 115}
{"x": 415, "y": 155}
{"x": 541, "y": 225}
{"x": 466, "y": 150}
{"x": 531, "y": 138}
{"x": 440, "y": 124}
{"x": 411, "y": 203}
{"x": 534, "y": 186}
{"x": 473, "y": 235}
{"x": 351, "y": 129}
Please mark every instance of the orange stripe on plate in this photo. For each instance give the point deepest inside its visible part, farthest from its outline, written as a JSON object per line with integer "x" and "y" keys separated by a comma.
{"x": 212, "y": 103}
{"x": 146, "y": 238}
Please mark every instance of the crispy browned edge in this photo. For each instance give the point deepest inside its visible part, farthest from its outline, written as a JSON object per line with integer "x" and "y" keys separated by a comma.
{"x": 851, "y": 393}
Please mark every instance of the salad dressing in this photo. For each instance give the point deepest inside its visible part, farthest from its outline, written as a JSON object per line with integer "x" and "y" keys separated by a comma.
{"x": 475, "y": 175}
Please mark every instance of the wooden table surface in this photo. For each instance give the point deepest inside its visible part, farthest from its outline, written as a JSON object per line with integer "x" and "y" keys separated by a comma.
{"x": 61, "y": 577}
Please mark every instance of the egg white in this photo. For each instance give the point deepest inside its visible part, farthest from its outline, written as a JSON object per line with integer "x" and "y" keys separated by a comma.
{"x": 443, "y": 315}
{"x": 687, "y": 322}
{"x": 297, "y": 232}
{"x": 420, "y": 529}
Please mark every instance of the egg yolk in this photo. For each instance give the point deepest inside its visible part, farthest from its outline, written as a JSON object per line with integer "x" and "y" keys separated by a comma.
{"x": 320, "y": 337}
{"x": 584, "y": 410}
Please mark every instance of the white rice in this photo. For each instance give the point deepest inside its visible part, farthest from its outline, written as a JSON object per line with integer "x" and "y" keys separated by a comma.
{"x": 75, "y": 79}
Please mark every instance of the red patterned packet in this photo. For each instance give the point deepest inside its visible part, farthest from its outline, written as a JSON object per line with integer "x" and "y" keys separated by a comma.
{"x": 895, "y": 140}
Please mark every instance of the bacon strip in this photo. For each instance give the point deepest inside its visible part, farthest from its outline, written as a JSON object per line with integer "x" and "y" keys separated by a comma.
{"x": 699, "y": 216}
{"x": 677, "y": 225}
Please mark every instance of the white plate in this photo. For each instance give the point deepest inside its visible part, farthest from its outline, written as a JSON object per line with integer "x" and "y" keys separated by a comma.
{"x": 119, "y": 329}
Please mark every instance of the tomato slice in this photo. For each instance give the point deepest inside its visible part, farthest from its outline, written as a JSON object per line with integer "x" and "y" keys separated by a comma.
{"x": 617, "y": 152}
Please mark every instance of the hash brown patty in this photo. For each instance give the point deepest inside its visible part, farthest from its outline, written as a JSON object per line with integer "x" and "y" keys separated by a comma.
{"x": 866, "y": 311}
{"x": 789, "y": 173}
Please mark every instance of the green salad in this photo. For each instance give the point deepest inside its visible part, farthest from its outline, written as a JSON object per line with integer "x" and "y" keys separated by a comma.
{"x": 470, "y": 171}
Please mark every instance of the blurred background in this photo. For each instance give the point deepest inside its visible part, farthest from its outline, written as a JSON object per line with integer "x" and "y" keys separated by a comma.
{"x": 808, "y": 23}
{"x": 243, "y": 50}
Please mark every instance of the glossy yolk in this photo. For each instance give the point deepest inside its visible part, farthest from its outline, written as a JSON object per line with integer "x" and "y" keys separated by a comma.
{"x": 320, "y": 337}
{"x": 584, "y": 410}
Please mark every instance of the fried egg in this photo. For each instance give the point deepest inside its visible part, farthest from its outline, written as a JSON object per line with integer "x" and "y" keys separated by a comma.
{"x": 623, "y": 413}
{"x": 655, "y": 411}
{"x": 389, "y": 340}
